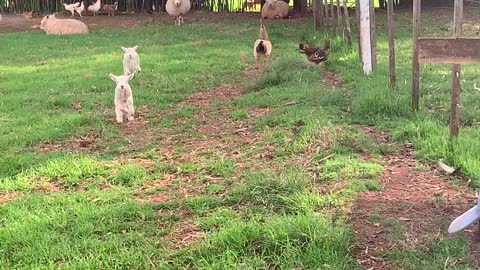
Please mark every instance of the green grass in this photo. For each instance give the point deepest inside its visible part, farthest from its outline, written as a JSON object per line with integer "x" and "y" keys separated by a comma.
{"x": 280, "y": 212}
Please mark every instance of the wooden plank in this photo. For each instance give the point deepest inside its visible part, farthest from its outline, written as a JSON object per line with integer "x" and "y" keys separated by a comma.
{"x": 327, "y": 17}
{"x": 365, "y": 37}
{"x": 322, "y": 15}
{"x": 332, "y": 16}
{"x": 357, "y": 13}
{"x": 339, "y": 17}
{"x": 347, "y": 23}
{"x": 373, "y": 36}
{"x": 456, "y": 70}
{"x": 391, "y": 43}
{"x": 449, "y": 51}
{"x": 316, "y": 14}
{"x": 415, "y": 63}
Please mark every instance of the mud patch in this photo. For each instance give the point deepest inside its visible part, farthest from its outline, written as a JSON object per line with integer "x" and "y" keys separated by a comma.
{"x": 420, "y": 202}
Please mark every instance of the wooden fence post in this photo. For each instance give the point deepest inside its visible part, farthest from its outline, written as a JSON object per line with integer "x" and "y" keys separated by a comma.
{"x": 332, "y": 14}
{"x": 347, "y": 23}
{"x": 316, "y": 14}
{"x": 366, "y": 37}
{"x": 456, "y": 69}
{"x": 416, "y": 66}
{"x": 391, "y": 43}
{"x": 339, "y": 17}
{"x": 373, "y": 36}
{"x": 357, "y": 14}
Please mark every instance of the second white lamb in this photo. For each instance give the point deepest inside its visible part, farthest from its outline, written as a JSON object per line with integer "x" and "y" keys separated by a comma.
{"x": 123, "y": 97}
{"x": 131, "y": 61}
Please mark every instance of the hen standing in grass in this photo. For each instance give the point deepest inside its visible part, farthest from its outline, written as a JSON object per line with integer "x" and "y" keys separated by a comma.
{"x": 262, "y": 46}
{"x": 315, "y": 55}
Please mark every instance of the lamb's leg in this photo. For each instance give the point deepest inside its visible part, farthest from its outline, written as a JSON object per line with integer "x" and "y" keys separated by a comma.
{"x": 73, "y": 13}
{"x": 119, "y": 114}
{"x": 257, "y": 58}
{"x": 265, "y": 60}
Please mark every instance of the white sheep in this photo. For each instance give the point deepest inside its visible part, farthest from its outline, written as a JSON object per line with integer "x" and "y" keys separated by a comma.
{"x": 131, "y": 61}
{"x": 123, "y": 97}
{"x": 274, "y": 9}
{"x": 178, "y": 9}
{"x": 54, "y": 26}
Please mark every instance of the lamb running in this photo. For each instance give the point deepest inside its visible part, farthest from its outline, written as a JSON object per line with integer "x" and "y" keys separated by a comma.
{"x": 54, "y": 26}
{"x": 131, "y": 61}
{"x": 178, "y": 9}
{"x": 123, "y": 97}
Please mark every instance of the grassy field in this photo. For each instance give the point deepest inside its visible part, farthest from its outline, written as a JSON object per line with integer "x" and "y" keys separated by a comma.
{"x": 275, "y": 198}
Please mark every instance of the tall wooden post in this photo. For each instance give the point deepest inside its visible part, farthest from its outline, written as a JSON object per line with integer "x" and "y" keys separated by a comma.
{"x": 357, "y": 14}
{"x": 416, "y": 66}
{"x": 332, "y": 14}
{"x": 326, "y": 18}
{"x": 456, "y": 69}
{"x": 339, "y": 17}
{"x": 347, "y": 23}
{"x": 366, "y": 40}
{"x": 316, "y": 14}
{"x": 391, "y": 43}
{"x": 373, "y": 35}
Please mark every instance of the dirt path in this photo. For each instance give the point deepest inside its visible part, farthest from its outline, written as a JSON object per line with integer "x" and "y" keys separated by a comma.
{"x": 415, "y": 207}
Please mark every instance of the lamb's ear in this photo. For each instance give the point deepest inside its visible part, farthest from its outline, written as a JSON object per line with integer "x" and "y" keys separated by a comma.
{"x": 129, "y": 77}
{"x": 113, "y": 77}
{"x": 124, "y": 49}
{"x": 135, "y": 48}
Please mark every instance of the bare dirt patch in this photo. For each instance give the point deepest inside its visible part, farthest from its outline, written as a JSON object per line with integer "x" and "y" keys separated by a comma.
{"x": 18, "y": 23}
{"x": 421, "y": 201}
{"x": 7, "y": 196}
{"x": 85, "y": 143}
{"x": 222, "y": 94}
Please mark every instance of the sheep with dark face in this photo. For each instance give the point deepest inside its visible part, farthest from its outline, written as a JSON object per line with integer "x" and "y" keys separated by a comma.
{"x": 178, "y": 9}
{"x": 274, "y": 9}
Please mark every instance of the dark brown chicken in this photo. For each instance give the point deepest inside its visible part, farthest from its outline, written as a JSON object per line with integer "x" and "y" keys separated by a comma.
{"x": 315, "y": 55}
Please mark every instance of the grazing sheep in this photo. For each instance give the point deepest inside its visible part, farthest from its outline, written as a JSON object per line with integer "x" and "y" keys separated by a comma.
{"x": 54, "y": 26}
{"x": 71, "y": 7}
{"x": 274, "y": 9}
{"x": 110, "y": 9}
{"x": 123, "y": 97}
{"x": 131, "y": 61}
{"x": 178, "y": 9}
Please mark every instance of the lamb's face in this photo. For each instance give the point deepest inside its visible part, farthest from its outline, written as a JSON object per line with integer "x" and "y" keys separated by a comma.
{"x": 122, "y": 80}
{"x": 129, "y": 52}
{"x": 270, "y": 3}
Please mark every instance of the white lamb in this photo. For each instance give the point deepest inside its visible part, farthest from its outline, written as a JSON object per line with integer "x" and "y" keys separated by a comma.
{"x": 123, "y": 97}
{"x": 131, "y": 61}
{"x": 178, "y": 9}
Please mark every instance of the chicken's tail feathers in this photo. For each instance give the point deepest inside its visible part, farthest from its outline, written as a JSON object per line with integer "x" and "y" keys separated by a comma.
{"x": 261, "y": 48}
